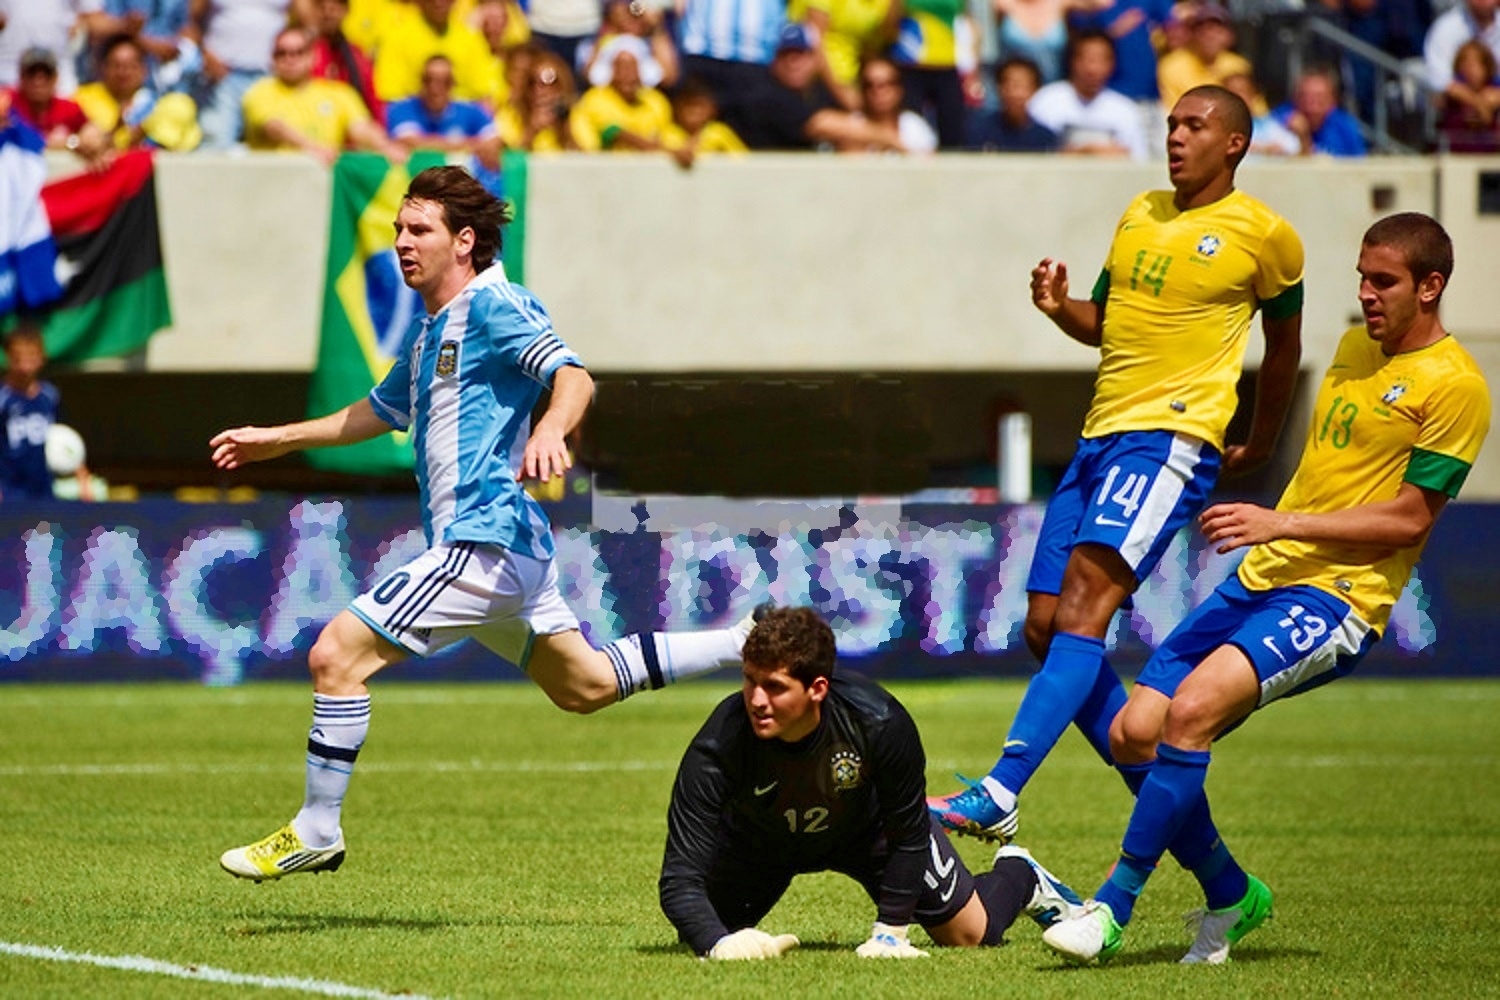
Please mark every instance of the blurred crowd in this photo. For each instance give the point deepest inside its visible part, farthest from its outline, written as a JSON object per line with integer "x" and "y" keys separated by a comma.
{"x": 476, "y": 77}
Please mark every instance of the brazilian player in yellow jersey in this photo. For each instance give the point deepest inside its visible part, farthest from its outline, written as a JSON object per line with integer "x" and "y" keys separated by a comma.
{"x": 1400, "y": 417}
{"x": 1171, "y": 314}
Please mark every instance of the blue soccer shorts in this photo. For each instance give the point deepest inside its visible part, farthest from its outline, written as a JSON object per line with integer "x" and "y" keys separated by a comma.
{"x": 1297, "y": 638}
{"x": 1130, "y": 492}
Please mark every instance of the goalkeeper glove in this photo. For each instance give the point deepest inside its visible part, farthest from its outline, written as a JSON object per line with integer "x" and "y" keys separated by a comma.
{"x": 888, "y": 942}
{"x": 751, "y": 943}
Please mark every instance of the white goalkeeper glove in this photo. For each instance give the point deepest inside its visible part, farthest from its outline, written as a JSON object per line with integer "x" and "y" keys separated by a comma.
{"x": 751, "y": 943}
{"x": 888, "y": 942}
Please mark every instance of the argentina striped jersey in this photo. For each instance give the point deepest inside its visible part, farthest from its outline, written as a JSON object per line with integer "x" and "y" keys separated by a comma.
{"x": 732, "y": 30}
{"x": 464, "y": 383}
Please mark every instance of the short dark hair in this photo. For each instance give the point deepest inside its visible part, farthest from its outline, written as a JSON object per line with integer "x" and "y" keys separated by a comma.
{"x": 794, "y": 638}
{"x": 1237, "y": 116}
{"x": 1077, "y": 40}
{"x": 694, "y": 88}
{"x": 114, "y": 41}
{"x": 1019, "y": 62}
{"x": 25, "y": 329}
{"x": 1421, "y": 239}
{"x": 466, "y": 203}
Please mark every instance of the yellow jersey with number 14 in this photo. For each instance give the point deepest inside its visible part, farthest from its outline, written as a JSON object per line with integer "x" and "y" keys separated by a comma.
{"x": 1379, "y": 421}
{"x": 1178, "y": 292}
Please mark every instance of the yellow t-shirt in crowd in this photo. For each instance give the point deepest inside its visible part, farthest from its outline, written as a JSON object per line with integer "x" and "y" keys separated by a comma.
{"x": 320, "y": 109}
{"x": 513, "y": 133}
{"x": 853, "y": 31}
{"x": 602, "y": 109}
{"x": 1178, "y": 292}
{"x": 408, "y": 41}
{"x": 716, "y": 137}
{"x": 1379, "y": 421}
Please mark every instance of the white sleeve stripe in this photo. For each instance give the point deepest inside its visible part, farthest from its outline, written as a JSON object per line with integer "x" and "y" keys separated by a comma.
{"x": 539, "y": 353}
{"x": 525, "y": 308}
{"x": 390, "y": 414}
{"x": 552, "y": 360}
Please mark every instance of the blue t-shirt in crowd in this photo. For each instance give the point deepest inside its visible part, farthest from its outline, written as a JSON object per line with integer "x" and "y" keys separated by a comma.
{"x": 23, "y": 456}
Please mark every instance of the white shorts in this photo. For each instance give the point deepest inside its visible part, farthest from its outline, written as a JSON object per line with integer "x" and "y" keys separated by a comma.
{"x": 459, "y": 590}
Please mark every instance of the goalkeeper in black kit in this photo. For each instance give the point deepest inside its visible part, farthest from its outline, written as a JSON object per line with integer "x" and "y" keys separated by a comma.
{"x": 805, "y": 772}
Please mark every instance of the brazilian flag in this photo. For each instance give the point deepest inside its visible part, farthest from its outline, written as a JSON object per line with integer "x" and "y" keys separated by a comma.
{"x": 366, "y": 305}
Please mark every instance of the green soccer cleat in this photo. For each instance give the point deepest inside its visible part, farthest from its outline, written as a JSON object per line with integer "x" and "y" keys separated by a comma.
{"x": 282, "y": 853}
{"x": 1218, "y": 929}
{"x": 1091, "y": 938}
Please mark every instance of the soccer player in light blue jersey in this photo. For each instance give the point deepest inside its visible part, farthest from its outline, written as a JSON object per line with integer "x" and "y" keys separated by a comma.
{"x": 465, "y": 381}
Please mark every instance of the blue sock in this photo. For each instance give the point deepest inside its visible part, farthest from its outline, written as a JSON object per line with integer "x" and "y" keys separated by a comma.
{"x": 1167, "y": 797}
{"x": 1052, "y": 701}
{"x": 1099, "y": 710}
{"x": 1199, "y": 848}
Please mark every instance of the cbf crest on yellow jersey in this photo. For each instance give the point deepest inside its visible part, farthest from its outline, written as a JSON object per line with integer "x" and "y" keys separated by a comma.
{"x": 1379, "y": 421}
{"x": 1178, "y": 290}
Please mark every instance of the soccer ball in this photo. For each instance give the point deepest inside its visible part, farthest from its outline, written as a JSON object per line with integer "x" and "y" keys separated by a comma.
{"x": 64, "y": 448}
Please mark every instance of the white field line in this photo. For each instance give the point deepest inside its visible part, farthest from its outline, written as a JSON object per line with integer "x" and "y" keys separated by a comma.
{"x": 206, "y": 973}
{"x": 424, "y": 767}
{"x": 1291, "y": 761}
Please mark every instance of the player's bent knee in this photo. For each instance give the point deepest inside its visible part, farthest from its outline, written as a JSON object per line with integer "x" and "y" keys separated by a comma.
{"x": 1133, "y": 739}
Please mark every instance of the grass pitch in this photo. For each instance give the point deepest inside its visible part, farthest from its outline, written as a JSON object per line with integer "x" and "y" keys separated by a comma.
{"x": 499, "y": 848}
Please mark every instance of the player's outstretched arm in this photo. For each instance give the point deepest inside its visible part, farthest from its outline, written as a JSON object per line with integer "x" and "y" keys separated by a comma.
{"x": 546, "y": 452}
{"x": 750, "y": 943}
{"x": 243, "y": 445}
{"x": 1081, "y": 319}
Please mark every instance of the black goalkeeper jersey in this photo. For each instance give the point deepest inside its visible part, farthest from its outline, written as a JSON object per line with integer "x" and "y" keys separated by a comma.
{"x": 852, "y": 790}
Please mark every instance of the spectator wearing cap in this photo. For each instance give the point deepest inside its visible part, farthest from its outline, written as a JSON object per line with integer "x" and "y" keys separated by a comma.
{"x": 60, "y": 121}
{"x": 1207, "y": 57}
{"x": 1010, "y": 128}
{"x": 1314, "y": 115}
{"x": 730, "y": 45}
{"x": 647, "y": 38}
{"x": 45, "y": 24}
{"x": 123, "y": 105}
{"x": 1089, "y": 117}
{"x": 795, "y": 111}
{"x": 623, "y": 114}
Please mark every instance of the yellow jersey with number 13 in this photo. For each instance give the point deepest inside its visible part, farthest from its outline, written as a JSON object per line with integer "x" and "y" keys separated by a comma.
{"x": 1379, "y": 421}
{"x": 1178, "y": 290}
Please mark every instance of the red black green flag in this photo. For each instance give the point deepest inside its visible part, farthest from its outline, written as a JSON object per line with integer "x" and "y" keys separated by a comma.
{"x": 109, "y": 261}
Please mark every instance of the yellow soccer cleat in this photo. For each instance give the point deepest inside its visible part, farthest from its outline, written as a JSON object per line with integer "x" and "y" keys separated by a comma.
{"x": 282, "y": 853}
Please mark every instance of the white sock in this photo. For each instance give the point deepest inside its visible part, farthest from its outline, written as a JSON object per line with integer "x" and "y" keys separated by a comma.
{"x": 650, "y": 660}
{"x": 1002, "y": 796}
{"x": 338, "y": 731}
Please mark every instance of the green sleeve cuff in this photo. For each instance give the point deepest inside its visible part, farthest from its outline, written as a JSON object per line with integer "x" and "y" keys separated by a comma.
{"x": 1432, "y": 471}
{"x": 1101, "y": 288}
{"x": 610, "y": 134}
{"x": 1285, "y": 305}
